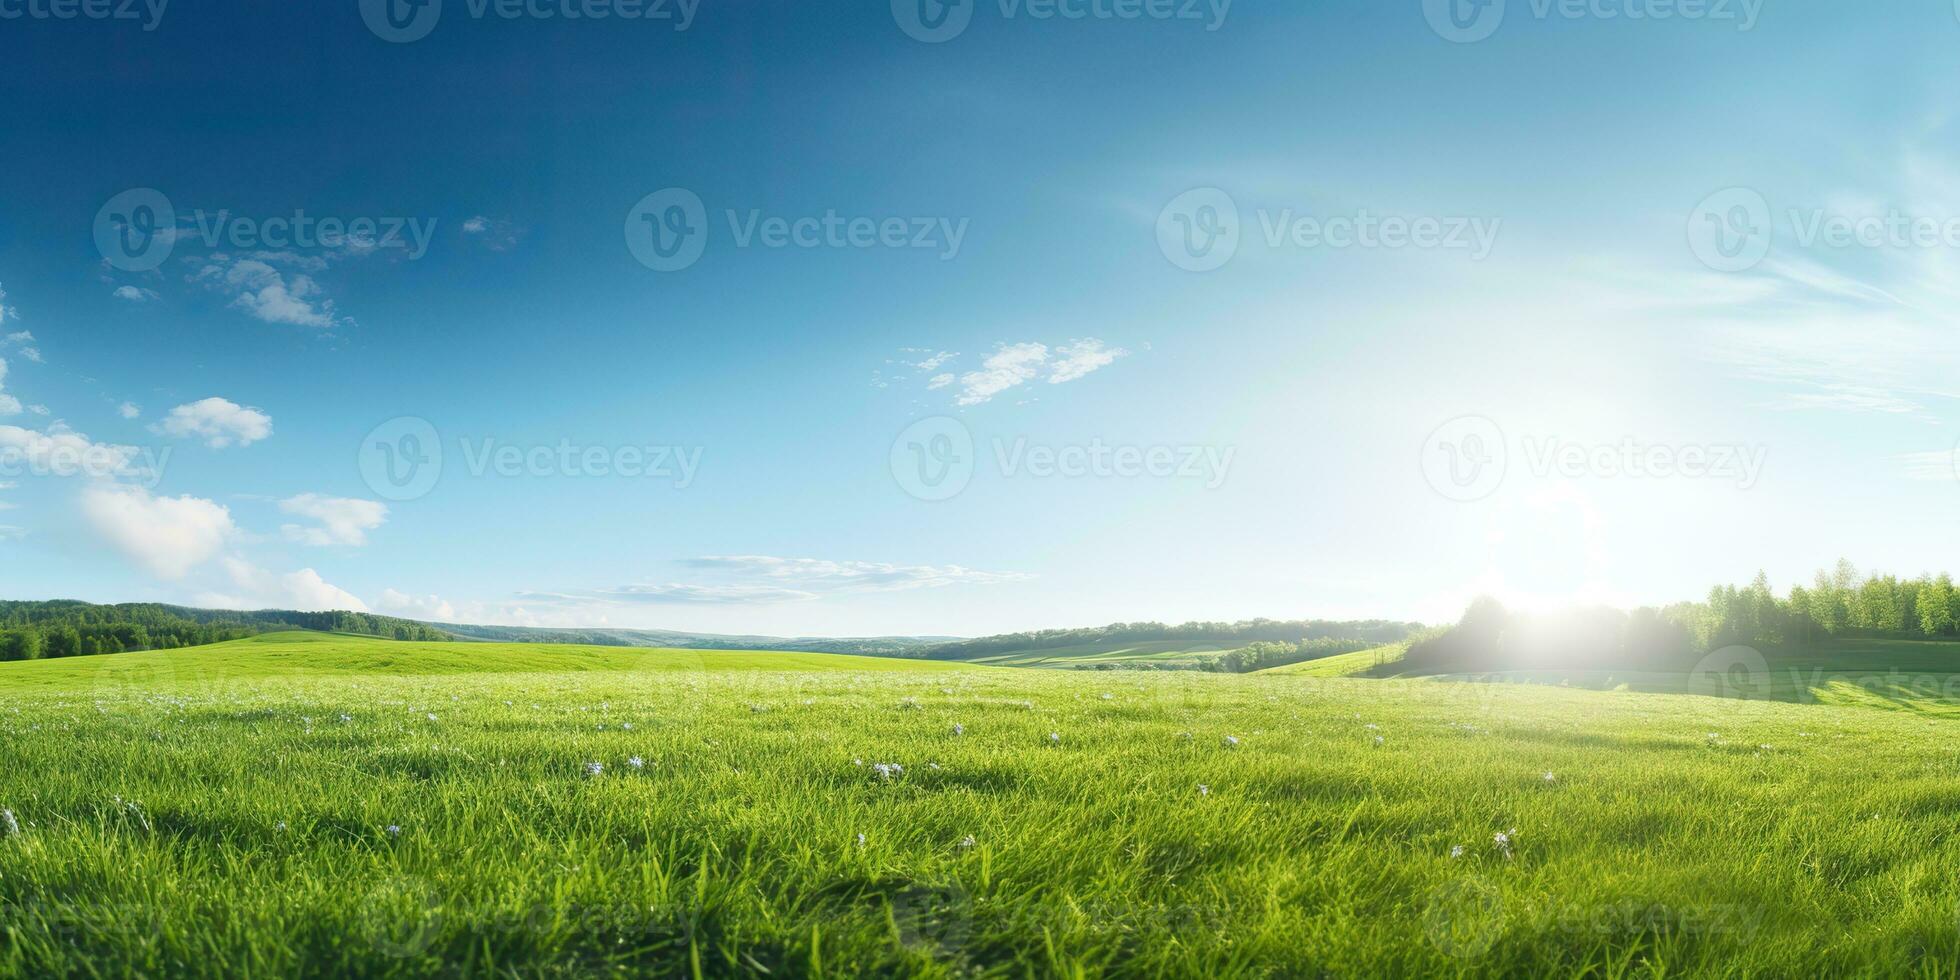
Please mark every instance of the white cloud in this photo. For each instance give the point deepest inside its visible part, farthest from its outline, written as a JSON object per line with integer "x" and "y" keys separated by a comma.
{"x": 135, "y": 294}
{"x": 129, "y": 410}
{"x": 268, "y": 294}
{"x": 169, "y": 536}
{"x": 303, "y": 590}
{"x": 1013, "y": 365}
{"x": 1079, "y": 358}
{"x": 23, "y": 342}
{"x": 934, "y": 362}
{"x": 1007, "y": 367}
{"x": 342, "y": 520}
{"x": 940, "y": 381}
{"x": 496, "y": 234}
{"x": 218, "y": 422}
{"x": 427, "y": 607}
{"x": 759, "y": 579}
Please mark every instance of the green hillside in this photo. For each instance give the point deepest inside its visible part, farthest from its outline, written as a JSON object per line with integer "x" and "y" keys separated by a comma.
{"x": 299, "y": 655}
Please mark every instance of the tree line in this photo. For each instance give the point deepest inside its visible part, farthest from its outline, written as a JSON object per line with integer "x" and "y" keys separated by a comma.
{"x": 69, "y": 628}
{"x": 1839, "y": 603}
{"x": 1372, "y": 632}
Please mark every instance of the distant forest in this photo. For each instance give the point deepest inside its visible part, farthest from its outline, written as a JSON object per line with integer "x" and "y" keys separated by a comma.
{"x": 1255, "y": 644}
{"x": 67, "y": 628}
{"x": 1838, "y": 603}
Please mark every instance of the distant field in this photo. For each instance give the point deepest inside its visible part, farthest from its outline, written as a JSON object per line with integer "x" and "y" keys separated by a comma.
{"x": 1911, "y": 675}
{"x": 330, "y": 806}
{"x": 1344, "y": 664}
{"x": 1161, "y": 652}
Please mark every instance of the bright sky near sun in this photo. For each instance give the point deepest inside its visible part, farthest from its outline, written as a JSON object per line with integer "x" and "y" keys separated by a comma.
{"x": 908, "y": 318}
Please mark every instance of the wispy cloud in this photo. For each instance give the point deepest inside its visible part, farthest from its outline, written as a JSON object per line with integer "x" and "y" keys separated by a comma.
{"x": 1013, "y": 365}
{"x": 1938, "y": 466}
{"x": 761, "y": 579}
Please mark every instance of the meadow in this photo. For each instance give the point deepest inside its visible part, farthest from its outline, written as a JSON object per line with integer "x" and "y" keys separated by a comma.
{"x": 317, "y": 805}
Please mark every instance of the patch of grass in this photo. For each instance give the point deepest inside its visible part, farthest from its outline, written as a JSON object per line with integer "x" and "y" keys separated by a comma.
{"x": 228, "y": 813}
{"x": 1345, "y": 664}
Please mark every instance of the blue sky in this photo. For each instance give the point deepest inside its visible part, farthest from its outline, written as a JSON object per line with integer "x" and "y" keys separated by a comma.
{"x": 995, "y": 290}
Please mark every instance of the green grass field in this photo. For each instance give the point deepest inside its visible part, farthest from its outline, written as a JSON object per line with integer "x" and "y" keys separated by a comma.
{"x": 324, "y": 806}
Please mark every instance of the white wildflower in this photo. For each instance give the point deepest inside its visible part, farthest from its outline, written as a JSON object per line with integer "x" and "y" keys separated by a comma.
{"x": 594, "y": 768}
{"x": 966, "y": 844}
{"x": 888, "y": 770}
{"x": 860, "y": 840}
{"x": 1055, "y": 738}
{"x": 959, "y": 729}
{"x": 1231, "y": 741}
{"x": 637, "y": 762}
{"x": 1204, "y": 790}
{"x": 394, "y": 830}
{"x": 1550, "y": 778}
{"x": 1456, "y": 852}
{"x": 9, "y": 824}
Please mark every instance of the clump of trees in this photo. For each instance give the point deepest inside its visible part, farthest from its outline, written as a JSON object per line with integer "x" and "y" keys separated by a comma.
{"x": 67, "y": 628}
{"x": 1838, "y": 603}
